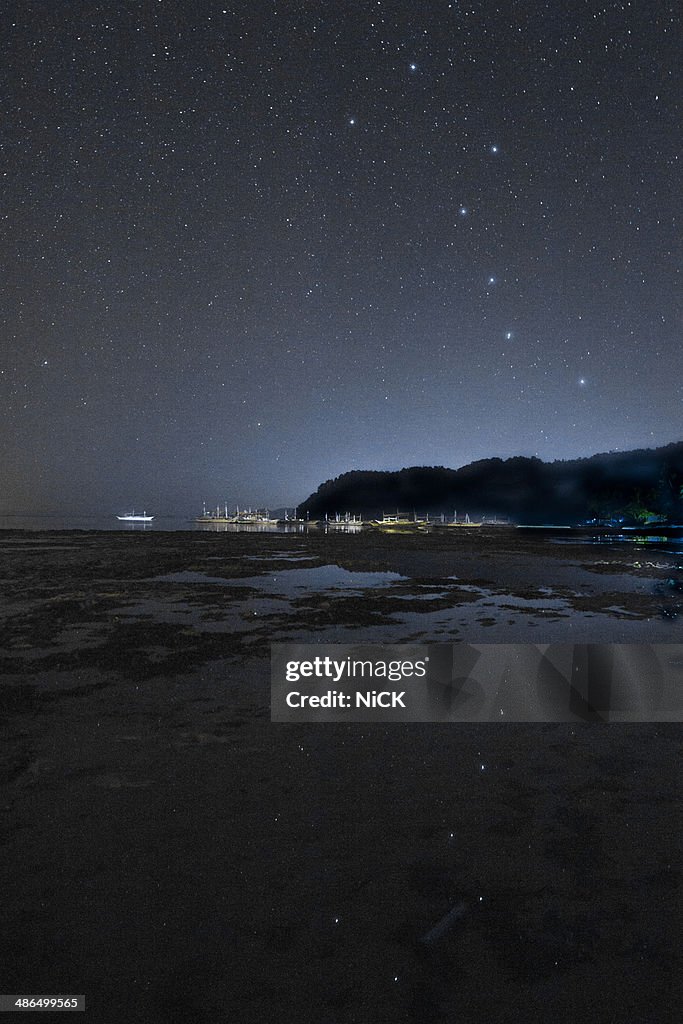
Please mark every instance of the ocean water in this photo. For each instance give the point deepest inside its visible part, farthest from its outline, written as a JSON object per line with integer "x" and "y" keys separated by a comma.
{"x": 85, "y": 521}
{"x": 168, "y": 523}
{"x": 97, "y": 521}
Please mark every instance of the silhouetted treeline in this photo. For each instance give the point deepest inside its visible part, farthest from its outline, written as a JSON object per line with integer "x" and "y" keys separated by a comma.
{"x": 640, "y": 486}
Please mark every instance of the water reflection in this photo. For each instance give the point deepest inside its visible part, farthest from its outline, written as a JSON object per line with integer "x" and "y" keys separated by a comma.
{"x": 640, "y": 539}
{"x": 317, "y": 579}
{"x": 245, "y": 528}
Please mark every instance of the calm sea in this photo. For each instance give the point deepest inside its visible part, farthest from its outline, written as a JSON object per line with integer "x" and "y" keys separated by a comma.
{"x": 168, "y": 523}
{"x": 96, "y": 521}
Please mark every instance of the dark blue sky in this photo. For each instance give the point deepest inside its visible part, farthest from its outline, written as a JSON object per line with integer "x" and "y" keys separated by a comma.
{"x": 249, "y": 247}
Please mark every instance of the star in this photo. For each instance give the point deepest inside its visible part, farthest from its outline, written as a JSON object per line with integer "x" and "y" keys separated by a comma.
{"x": 366, "y": 241}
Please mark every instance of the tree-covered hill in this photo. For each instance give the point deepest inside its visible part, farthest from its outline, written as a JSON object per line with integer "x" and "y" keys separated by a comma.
{"x": 641, "y": 486}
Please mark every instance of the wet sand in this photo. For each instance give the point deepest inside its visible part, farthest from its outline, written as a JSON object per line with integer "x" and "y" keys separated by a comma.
{"x": 176, "y": 857}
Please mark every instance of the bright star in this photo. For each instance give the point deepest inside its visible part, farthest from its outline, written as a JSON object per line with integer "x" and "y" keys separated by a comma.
{"x": 352, "y": 120}
{"x": 494, "y": 149}
{"x": 463, "y": 211}
{"x": 508, "y": 335}
{"x": 413, "y": 67}
{"x": 582, "y": 380}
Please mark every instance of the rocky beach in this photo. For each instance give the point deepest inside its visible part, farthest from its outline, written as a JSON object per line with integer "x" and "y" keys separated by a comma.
{"x": 174, "y": 855}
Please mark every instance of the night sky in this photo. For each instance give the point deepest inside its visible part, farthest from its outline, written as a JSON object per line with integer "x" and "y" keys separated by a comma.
{"x": 249, "y": 247}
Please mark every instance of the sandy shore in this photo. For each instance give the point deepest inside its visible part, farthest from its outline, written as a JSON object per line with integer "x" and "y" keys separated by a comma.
{"x": 176, "y": 857}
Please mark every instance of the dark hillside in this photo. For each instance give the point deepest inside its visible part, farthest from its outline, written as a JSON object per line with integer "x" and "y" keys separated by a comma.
{"x": 640, "y": 486}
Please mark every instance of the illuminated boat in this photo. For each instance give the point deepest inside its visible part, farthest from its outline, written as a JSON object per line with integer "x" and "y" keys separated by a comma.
{"x": 247, "y": 517}
{"x": 466, "y": 522}
{"x": 215, "y": 517}
{"x": 347, "y": 521}
{"x": 254, "y": 517}
{"x": 133, "y": 517}
{"x": 400, "y": 523}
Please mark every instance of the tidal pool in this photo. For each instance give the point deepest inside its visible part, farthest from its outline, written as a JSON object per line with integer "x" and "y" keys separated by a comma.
{"x": 294, "y": 582}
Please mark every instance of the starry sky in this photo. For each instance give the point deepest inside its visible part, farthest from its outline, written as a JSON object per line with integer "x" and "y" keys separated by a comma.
{"x": 248, "y": 247}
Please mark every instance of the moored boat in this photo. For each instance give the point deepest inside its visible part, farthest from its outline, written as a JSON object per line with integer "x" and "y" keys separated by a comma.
{"x": 215, "y": 517}
{"x": 254, "y": 517}
{"x": 400, "y": 523}
{"x": 295, "y": 519}
{"x": 245, "y": 517}
{"x": 133, "y": 517}
{"x": 457, "y": 523}
{"x": 347, "y": 521}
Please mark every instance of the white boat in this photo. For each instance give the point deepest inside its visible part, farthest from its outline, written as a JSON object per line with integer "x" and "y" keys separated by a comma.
{"x": 296, "y": 519}
{"x": 347, "y": 521}
{"x": 246, "y": 517}
{"x": 133, "y": 517}
{"x": 459, "y": 523}
{"x": 215, "y": 517}
{"x": 399, "y": 523}
{"x": 254, "y": 517}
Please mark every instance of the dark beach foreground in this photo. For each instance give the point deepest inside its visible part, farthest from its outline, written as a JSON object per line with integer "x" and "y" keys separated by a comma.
{"x": 174, "y": 856}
